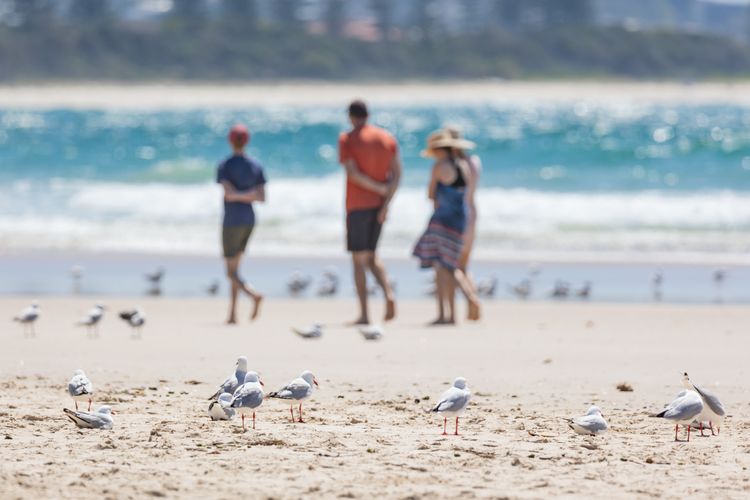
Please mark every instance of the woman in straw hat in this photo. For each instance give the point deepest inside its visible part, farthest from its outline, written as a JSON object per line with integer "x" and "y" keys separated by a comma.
{"x": 475, "y": 166}
{"x": 441, "y": 244}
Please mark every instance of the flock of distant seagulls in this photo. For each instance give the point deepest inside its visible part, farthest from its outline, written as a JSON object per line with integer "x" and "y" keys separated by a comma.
{"x": 242, "y": 393}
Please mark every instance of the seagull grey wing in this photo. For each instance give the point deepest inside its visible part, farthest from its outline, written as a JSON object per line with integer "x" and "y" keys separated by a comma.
{"x": 452, "y": 400}
{"x": 86, "y": 420}
{"x": 711, "y": 400}
{"x": 296, "y": 389}
{"x": 592, "y": 423}
{"x": 79, "y": 386}
{"x": 249, "y": 397}
{"x": 684, "y": 409}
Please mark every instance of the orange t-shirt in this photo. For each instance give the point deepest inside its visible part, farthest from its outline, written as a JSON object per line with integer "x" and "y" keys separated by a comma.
{"x": 373, "y": 150}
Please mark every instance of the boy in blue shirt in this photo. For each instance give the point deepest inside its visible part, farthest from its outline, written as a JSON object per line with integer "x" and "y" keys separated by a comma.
{"x": 244, "y": 183}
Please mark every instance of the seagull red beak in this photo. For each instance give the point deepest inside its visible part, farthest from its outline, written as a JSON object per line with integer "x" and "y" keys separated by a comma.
{"x": 113, "y": 413}
{"x": 261, "y": 383}
{"x": 315, "y": 381}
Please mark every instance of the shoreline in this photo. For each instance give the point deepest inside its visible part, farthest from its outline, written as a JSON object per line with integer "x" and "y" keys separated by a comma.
{"x": 182, "y": 95}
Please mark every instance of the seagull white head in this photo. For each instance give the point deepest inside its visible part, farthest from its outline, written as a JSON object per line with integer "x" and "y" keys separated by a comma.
{"x": 78, "y": 372}
{"x": 686, "y": 381}
{"x": 106, "y": 410}
{"x": 34, "y": 304}
{"x": 100, "y": 306}
{"x": 242, "y": 363}
{"x": 459, "y": 383}
{"x": 253, "y": 377}
{"x": 226, "y": 397}
{"x": 594, "y": 410}
{"x": 308, "y": 377}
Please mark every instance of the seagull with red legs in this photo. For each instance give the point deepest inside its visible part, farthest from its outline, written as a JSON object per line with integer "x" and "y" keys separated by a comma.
{"x": 683, "y": 410}
{"x": 713, "y": 411}
{"x": 248, "y": 397}
{"x": 298, "y": 389}
{"x": 80, "y": 388}
{"x": 453, "y": 403}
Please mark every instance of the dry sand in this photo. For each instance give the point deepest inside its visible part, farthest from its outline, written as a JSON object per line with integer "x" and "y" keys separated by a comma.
{"x": 367, "y": 435}
{"x": 202, "y": 95}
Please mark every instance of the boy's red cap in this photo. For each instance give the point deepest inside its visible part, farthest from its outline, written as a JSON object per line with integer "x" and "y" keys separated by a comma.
{"x": 239, "y": 135}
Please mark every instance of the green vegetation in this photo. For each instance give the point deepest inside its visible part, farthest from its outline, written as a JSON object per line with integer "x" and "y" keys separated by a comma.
{"x": 233, "y": 44}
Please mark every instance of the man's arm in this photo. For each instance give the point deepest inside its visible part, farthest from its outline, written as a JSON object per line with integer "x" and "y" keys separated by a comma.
{"x": 257, "y": 194}
{"x": 393, "y": 182}
{"x": 357, "y": 177}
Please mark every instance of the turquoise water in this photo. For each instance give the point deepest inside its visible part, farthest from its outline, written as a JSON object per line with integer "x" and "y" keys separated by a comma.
{"x": 565, "y": 181}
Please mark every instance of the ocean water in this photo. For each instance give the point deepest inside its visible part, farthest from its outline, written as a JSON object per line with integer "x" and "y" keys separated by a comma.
{"x": 564, "y": 182}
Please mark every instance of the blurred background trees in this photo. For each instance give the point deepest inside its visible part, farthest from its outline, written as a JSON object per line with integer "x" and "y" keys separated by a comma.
{"x": 249, "y": 39}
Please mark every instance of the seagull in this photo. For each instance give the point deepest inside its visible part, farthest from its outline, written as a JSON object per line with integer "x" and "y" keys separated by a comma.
{"x": 155, "y": 277}
{"x": 213, "y": 288}
{"x": 683, "y": 410}
{"x": 91, "y": 320}
{"x": 234, "y": 380}
{"x": 298, "y": 283}
{"x": 487, "y": 287}
{"x": 713, "y": 410}
{"x": 719, "y": 277}
{"x": 248, "y": 397}
{"x": 592, "y": 423}
{"x": 372, "y": 332}
{"x": 76, "y": 272}
{"x": 453, "y": 402}
{"x": 314, "y": 331}
{"x": 522, "y": 290}
{"x": 585, "y": 291}
{"x": 100, "y": 419}
{"x": 27, "y": 317}
{"x": 80, "y": 388}
{"x": 135, "y": 318}
{"x": 656, "y": 282}
{"x": 298, "y": 389}
{"x": 329, "y": 283}
{"x": 560, "y": 290}
{"x": 219, "y": 409}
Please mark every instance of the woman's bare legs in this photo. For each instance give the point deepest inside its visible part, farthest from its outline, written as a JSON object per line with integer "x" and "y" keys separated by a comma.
{"x": 468, "y": 291}
{"x": 441, "y": 288}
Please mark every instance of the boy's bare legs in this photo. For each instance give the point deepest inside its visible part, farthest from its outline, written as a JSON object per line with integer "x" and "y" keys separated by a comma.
{"x": 378, "y": 271}
{"x": 360, "y": 262}
{"x": 233, "y": 264}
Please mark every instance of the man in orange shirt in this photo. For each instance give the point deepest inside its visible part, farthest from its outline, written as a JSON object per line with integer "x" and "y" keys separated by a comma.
{"x": 373, "y": 169}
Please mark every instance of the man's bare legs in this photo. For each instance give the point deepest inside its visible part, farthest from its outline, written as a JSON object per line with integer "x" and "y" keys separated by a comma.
{"x": 233, "y": 264}
{"x": 360, "y": 262}
{"x": 378, "y": 271}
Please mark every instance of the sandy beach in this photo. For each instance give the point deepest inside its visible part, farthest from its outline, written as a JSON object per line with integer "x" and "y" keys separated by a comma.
{"x": 367, "y": 434}
{"x": 172, "y": 95}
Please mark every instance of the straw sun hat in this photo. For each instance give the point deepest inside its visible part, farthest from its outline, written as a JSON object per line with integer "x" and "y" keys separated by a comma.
{"x": 445, "y": 138}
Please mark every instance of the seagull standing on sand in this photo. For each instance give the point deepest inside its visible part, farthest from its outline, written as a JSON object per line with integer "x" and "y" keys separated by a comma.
{"x": 92, "y": 319}
{"x": 248, "y": 397}
{"x": 656, "y": 282}
{"x": 213, "y": 288}
{"x": 100, "y": 419}
{"x": 372, "y": 332}
{"x": 135, "y": 318}
{"x": 487, "y": 287}
{"x": 234, "y": 380}
{"x": 522, "y": 290}
{"x": 219, "y": 409}
{"x": 713, "y": 411}
{"x": 80, "y": 388}
{"x": 719, "y": 277}
{"x": 311, "y": 332}
{"x": 453, "y": 402}
{"x": 585, "y": 291}
{"x": 560, "y": 290}
{"x": 298, "y": 389}
{"x": 329, "y": 285}
{"x": 76, "y": 272}
{"x": 592, "y": 423}
{"x": 683, "y": 410}
{"x": 27, "y": 317}
{"x": 298, "y": 283}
